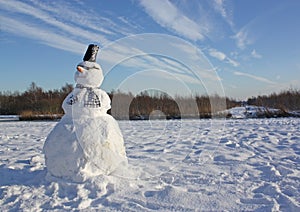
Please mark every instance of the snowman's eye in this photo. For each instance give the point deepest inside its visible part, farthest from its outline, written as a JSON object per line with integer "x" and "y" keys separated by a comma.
{"x": 93, "y": 67}
{"x": 88, "y": 68}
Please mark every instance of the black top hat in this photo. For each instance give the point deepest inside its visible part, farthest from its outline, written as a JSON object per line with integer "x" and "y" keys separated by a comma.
{"x": 91, "y": 53}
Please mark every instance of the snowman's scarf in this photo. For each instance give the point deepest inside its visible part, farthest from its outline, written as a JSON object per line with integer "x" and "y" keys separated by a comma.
{"x": 91, "y": 99}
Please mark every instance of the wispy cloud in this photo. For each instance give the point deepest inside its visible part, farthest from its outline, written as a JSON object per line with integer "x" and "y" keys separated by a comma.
{"x": 242, "y": 39}
{"x": 169, "y": 54}
{"x": 43, "y": 36}
{"x": 71, "y": 14}
{"x": 169, "y": 16}
{"x": 137, "y": 61}
{"x": 36, "y": 13}
{"x": 254, "y": 54}
{"x": 232, "y": 62}
{"x": 261, "y": 79}
{"x": 59, "y": 25}
{"x": 220, "y": 7}
{"x": 107, "y": 24}
{"x": 217, "y": 54}
{"x": 222, "y": 57}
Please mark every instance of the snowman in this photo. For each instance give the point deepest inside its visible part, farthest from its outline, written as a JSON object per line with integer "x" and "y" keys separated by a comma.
{"x": 87, "y": 141}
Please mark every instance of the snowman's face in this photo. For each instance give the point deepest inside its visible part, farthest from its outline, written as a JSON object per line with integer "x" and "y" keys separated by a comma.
{"x": 88, "y": 74}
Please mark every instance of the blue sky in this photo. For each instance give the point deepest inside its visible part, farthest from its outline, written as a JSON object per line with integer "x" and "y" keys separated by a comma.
{"x": 240, "y": 48}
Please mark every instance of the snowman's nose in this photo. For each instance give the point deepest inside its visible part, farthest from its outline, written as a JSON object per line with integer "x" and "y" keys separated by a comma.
{"x": 80, "y": 69}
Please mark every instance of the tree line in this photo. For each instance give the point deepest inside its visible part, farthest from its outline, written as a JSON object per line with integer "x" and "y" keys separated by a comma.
{"x": 36, "y": 101}
{"x": 288, "y": 100}
{"x": 160, "y": 105}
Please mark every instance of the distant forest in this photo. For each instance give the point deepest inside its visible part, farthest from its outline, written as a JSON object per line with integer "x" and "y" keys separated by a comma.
{"x": 36, "y": 101}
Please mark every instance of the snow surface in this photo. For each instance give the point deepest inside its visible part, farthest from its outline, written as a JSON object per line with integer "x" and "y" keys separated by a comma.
{"x": 78, "y": 148}
{"x": 237, "y": 164}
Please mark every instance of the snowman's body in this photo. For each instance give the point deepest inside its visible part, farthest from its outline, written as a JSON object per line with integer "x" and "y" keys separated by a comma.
{"x": 87, "y": 141}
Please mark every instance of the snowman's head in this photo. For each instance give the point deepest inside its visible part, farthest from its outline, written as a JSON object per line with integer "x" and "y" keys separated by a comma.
{"x": 89, "y": 72}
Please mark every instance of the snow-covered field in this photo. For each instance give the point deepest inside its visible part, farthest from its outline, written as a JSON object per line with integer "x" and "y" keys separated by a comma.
{"x": 237, "y": 164}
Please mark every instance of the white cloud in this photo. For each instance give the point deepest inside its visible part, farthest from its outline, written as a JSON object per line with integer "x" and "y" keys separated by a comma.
{"x": 168, "y": 15}
{"x": 44, "y": 36}
{"x": 219, "y": 6}
{"x": 261, "y": 79}
{"x": 34, "y": 12}
{"x": 160, "y": 52}
{"x": 217, "y": 54}
{"x": 142, "y": 61}
{"x": 242, "y": 38}
{"x": 59, "y": 25}
{"x": 254, "y": 54}
{"x": 222, "y": 57}
{"x": 232, "y": 62}
{"x": 87, "y": 18}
